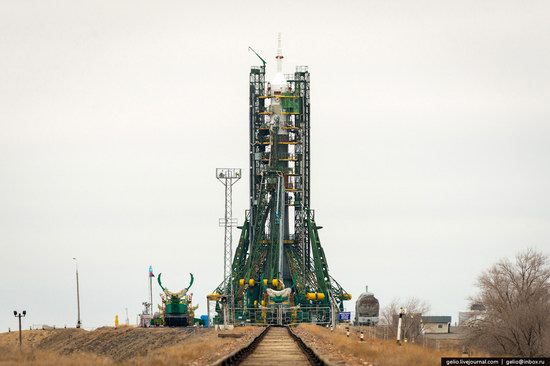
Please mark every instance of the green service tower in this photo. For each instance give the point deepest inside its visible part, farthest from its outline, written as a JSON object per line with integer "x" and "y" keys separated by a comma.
{"x": 279, "y": 271}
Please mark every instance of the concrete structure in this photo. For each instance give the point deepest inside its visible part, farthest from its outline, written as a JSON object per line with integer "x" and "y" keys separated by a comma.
{"x": 436, "y": 324}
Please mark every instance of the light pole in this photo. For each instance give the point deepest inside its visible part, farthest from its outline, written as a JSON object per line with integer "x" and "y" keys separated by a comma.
{"x": 78, "y": 323}
{"x": 228, "y": 177}
{"x": 19, "y": 315}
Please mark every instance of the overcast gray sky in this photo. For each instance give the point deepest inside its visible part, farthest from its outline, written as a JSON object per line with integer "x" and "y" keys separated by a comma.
{"x": 430, "y": 143}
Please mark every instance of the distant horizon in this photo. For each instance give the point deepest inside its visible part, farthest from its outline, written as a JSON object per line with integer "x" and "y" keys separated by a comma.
{"x": 429, "y": 160}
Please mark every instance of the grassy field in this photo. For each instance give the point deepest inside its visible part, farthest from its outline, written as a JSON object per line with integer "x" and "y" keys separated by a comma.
{"x": 121, "y": 346}
{"x": 336, "y": 346}
{"x": 130, "y": 346}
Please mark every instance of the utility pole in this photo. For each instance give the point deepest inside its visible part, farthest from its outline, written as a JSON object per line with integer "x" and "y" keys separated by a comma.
{"x": 401, "y": 313}
{"x": 228, "y": 177}
{"x": 78, "y": 322}
{"x": 19, "y": 315}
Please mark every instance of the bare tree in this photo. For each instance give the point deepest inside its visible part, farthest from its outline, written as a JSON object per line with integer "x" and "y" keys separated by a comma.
{"x": 516, "y": 296}
{"x": 414, "y": 307}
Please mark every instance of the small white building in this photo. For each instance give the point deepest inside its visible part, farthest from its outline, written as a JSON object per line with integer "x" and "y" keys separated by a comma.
{"x": 436, "y": 324}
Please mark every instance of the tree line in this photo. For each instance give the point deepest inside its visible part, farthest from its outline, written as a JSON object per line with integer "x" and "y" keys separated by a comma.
{"x": 515, "y": 296}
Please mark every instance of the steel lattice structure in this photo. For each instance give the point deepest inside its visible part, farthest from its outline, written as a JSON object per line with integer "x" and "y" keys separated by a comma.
{"x": 279, "y": 266}
{"x": 228, "y": 177}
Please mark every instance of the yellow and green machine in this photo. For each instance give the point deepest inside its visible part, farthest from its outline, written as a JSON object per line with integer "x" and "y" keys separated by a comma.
{"x": 176, "y": 309}
{"x": 279, "y": 271}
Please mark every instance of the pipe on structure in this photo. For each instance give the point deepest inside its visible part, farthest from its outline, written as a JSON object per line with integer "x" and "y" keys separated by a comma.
{"x": 281, "y": 224}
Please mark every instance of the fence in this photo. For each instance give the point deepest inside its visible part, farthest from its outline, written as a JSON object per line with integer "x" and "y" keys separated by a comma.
{"x": 454, "y": 341}
{"x": 282, "y": 315}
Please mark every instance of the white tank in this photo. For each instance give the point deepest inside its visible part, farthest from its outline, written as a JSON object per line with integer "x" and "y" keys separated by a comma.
{"x": 367, "y": 309}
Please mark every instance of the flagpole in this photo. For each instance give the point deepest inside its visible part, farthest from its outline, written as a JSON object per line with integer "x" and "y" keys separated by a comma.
{"x": 151, "y": 275}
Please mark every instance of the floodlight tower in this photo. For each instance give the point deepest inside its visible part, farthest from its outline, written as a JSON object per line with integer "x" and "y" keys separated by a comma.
{"x": 228, "y": 177}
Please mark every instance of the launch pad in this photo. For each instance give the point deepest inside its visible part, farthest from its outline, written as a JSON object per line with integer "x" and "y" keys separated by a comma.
{"x": 279, "y": 272}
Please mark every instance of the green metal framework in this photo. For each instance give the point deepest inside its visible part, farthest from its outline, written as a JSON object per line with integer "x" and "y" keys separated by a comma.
{"x": 279, "y": 241}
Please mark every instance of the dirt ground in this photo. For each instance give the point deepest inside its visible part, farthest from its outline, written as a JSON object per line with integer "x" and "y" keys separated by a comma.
{"x": 121, "y": 346}
{"x": 130, "y": 346}
{"x": 319, "y": 339}
{"x": 338, "y": 349}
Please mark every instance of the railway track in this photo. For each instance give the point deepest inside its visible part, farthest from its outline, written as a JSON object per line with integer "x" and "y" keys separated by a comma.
{"x": 275, "y": 346}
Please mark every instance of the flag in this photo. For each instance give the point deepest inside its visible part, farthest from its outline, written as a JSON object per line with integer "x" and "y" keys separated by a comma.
{"x": 151, "y": 271}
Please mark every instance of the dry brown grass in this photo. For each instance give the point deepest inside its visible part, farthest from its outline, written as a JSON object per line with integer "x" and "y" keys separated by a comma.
{"x": 203, "y": 350}
{"x": 123, "y": 346}
{"x": 374, "y": 351}
{"x": 12, "y": 356}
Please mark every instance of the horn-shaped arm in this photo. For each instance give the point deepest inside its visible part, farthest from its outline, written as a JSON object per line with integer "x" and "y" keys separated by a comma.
{"x": 191, "y": 283}
{"x": 160, "y": 283}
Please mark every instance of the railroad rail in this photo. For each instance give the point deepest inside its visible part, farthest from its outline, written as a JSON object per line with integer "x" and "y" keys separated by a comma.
{"x": 274, "y": 346}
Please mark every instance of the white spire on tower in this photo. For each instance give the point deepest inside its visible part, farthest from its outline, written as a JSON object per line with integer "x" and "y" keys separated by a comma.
{"x": 279, "y": 56}
{"x": 278, "y": 83}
